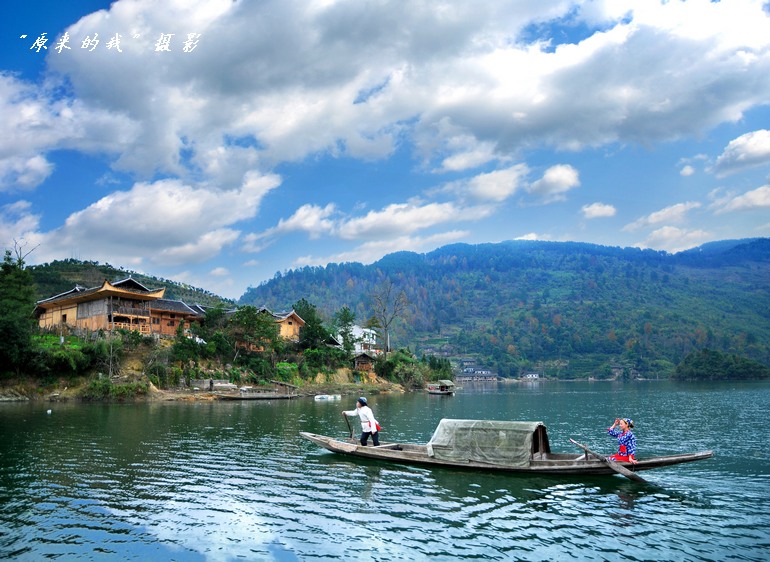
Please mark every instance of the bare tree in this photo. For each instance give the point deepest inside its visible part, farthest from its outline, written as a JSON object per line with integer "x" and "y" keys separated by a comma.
{"x": 18, "y": 250}
{"x": 388, "y": 304}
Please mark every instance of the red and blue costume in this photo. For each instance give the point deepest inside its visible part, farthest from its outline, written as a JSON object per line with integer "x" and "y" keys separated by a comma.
{"x": 626, "y": 445}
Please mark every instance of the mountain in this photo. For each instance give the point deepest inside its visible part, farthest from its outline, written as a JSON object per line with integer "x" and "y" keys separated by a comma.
{"x": 566, "y": 308}
{"x": 62, "y": 275}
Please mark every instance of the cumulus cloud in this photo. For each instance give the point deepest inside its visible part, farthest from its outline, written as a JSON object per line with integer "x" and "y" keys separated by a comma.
{"x": 36, "y": 121}
{"x": 747, "y": 151}
{"x": 532, "y": 236}
{"x": 371, "y": 251}
{"x": 686, "y": 171}
{"x": 165, "y": 222}
{"x": 673, "y": 239}
{"x": 756, "y": 199}
{"x": 556, "y": 181}
{"x": 598, "y": 210}
{"x": 489, "y": 187}
{"x": 311, "y": 219}
{"x": 17, "y": 222}
{"x": 674, "y": 213}
{"x": 273, "y": 73}
{"x": 393, "y": 222}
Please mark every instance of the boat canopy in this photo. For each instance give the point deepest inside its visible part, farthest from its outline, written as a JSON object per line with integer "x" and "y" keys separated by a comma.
{"x": 510, "y": 443}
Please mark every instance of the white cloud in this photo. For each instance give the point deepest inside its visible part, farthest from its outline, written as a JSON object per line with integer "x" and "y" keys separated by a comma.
{"x": 491, "y": 187}
{"x": 17, "y": 222}
{"x": 598, "y": 210}
{"x": 673, "y": 239}
{"x": 532, "y": 236}
{"x": 747, "y": 151}
{"x": 353, "y": 79}
{"x": 371, "y": 251}
{"x": 556, "y": 181}
{"x": 383, "y": 228}
{"x": 674, "y": 213}
{"x": 756, "y": 199}
{"x": 165, "y": 222}
{"x": 311, "y": 219}
{"x": 686, "y": 171}
{"x": 24, "y": 173}
{"x": 398, "y": 219}
{"x": 35, "y": 122}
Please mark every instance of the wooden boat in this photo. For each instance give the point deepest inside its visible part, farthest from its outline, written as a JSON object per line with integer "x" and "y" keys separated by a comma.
{"x": 505, "y": 446}
{"x": 441, "y": 387}
{"x": 257, "y": 396}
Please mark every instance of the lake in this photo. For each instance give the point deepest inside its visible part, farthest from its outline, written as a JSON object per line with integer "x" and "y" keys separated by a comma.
{"x": 222, "y": 481}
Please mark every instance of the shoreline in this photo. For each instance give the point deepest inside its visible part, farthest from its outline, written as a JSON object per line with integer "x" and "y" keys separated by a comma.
{"x": 23, "y": 393}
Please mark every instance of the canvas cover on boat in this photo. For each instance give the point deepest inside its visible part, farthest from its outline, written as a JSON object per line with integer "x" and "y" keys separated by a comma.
{"x": 497, "y": 442}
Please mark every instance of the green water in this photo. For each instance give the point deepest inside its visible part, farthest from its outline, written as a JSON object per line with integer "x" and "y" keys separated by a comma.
{"x": 233, "y": 481}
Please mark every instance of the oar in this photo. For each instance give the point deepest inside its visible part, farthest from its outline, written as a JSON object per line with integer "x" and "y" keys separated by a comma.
{"x": 612, "y": 464}
{"x": 344, "y": 415}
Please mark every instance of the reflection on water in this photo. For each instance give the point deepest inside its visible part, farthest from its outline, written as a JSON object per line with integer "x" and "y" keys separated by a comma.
{"x": 227, "y": 481}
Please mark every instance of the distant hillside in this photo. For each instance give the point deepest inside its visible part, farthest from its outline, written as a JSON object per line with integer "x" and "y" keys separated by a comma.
{"x": 60, "y": 276}
{"x": 565, "y": 308}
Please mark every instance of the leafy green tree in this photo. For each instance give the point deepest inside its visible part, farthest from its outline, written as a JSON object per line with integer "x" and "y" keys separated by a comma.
{"x": 344, "y": 320}
{"x": 214, "y": 321}
{"x": 313, "y": 335}
{"x": 708, "y": 364}
{"x": 184, "y": 348}
{"x": 17, "y": 301}
{"x": 252, "y": 329}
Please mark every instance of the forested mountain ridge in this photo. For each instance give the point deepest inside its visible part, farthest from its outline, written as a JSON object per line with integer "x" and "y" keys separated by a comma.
{"x": 566, "y": 308}
{"x": 62, "y": 275}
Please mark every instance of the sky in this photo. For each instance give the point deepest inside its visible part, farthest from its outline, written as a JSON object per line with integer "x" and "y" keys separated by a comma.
{"x": 217, "y": 142}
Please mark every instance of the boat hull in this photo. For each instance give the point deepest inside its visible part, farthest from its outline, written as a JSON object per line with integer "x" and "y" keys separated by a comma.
{"x": 549, "y": 463}
{"x": 256, "y": 396}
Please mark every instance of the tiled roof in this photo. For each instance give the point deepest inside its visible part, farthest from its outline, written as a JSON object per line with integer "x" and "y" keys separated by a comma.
{"x": 128, "y": 284}
{"x": 77, "y": 289}
{"x": 168, "y": 305}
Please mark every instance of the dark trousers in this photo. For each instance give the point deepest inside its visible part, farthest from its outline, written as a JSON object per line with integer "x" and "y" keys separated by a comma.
{"x": 375, "y": 438}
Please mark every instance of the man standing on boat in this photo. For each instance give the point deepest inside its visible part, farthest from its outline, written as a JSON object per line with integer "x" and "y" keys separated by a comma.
{"x": 369, "y": 425}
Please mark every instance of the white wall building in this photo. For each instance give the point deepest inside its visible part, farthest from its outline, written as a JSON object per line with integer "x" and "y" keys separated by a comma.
{"x": 364, "y": 339}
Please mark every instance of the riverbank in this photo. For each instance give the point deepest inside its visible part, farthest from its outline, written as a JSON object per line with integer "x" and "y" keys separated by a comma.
{"x": 73, "y": 390}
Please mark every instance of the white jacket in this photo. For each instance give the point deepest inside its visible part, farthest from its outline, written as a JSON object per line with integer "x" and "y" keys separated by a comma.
{"x": 368, "y": 423}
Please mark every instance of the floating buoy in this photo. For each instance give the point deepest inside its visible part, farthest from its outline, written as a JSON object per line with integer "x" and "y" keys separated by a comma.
{"x": 48, "y": 412}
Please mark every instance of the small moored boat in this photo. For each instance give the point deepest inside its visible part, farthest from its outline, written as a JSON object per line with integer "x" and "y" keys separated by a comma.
{"x": 507, "y": 446}
{"x": 441, "y": 387}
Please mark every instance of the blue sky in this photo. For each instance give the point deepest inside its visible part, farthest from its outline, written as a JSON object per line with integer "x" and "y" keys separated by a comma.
{"x": 218, "y": 142}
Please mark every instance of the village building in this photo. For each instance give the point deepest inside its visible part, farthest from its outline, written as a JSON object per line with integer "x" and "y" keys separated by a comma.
{"x": 289, "y": 323}
{"x": 128, "y": 304}
{"x": 364, "y": 339}
{"x": 123, "y": 304}
{"x": 364, "y": 361}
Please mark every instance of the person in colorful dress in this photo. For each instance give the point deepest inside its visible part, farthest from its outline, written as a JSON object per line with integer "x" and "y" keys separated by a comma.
{"x": 369, "y": 425}
{"x": 626, "y": 440}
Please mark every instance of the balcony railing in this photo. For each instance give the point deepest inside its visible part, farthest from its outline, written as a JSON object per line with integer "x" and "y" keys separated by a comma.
{"x": 130, "y": 311}
{"x": 141, "y": 328}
